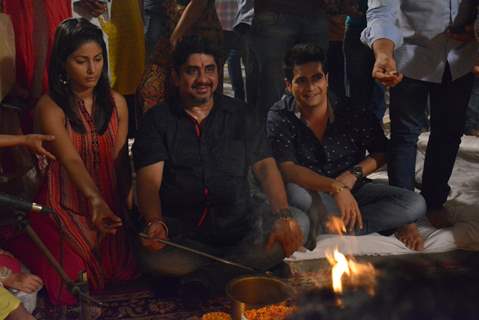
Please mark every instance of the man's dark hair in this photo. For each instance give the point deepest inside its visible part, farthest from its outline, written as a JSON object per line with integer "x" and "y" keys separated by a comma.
{"x": 300, "y": 54}
{"x": 194, "y": 44}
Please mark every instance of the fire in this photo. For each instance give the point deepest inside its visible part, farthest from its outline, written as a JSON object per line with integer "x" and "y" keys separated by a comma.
{"x": 358, "y": 274}
{"x": 336, "y": 225}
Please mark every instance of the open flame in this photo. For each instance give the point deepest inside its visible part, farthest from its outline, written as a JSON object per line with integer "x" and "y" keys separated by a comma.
{"x": 358, "y": 274}
{"x": 335, "y": 225}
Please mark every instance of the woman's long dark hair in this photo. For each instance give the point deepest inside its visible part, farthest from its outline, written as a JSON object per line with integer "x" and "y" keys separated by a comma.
{"x": 70, "y": 35}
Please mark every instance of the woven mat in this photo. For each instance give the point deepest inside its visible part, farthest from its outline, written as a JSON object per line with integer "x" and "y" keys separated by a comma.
{"x": 136, "y": 301}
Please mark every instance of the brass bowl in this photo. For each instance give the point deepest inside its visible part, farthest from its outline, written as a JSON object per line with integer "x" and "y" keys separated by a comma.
{"x": 256, "y": 291}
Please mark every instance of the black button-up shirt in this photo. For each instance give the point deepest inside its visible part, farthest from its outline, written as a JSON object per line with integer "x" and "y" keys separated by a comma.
{"x": 205, "y": 174}
{"x": 349, "y": 134}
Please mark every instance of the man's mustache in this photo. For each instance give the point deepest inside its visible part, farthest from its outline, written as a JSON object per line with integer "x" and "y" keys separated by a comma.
{"x": 202, "y": 84}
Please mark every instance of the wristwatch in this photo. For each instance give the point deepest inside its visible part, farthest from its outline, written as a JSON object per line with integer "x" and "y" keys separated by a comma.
{"x": 357, "y": 171}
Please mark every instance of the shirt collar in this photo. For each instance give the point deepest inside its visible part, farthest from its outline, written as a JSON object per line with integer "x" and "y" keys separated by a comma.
{"x": 298, "y": 115}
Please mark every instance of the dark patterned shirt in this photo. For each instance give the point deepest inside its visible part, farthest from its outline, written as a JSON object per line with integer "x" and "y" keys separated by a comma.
{"x": 350, "y": 133}
{"x": 206, "y": 165}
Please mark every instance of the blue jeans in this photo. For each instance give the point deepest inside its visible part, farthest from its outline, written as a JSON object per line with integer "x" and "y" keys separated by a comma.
{"x": 232, "y": 46}
{"x": 383, "y": 207}
{"x": 250, "y": 251}
{"x": 448, "y": 103}
{"x": 359, "y": 60}
{"x": 472, "y": 113}
{"x": 272, "y": 34}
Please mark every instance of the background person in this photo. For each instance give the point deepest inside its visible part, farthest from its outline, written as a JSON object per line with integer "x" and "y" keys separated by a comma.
{"x": 419, "y": 58}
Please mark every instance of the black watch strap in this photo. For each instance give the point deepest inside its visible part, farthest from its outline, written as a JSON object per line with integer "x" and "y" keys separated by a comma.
{"x": 357, "y": 171}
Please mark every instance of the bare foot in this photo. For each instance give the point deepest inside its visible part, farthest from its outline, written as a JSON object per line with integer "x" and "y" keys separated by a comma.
{"x": 439, "y": 218}
{"x": 22, "y": 281}
{"x": 409, "y": 235}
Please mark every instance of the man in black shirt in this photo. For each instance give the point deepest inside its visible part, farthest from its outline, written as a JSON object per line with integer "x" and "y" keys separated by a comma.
{"x": 321, "y": 150}
{"x": 192, "y": 157}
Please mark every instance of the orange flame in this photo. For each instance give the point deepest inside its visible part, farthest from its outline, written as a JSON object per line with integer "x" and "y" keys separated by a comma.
{"x": 336, "y": 225}
{"x": 359, "y": 274}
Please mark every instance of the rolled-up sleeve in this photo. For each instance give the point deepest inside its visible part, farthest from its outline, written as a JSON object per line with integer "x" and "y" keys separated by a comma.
{"x": 150, "y": 142}
{"x": 382, "y": 22}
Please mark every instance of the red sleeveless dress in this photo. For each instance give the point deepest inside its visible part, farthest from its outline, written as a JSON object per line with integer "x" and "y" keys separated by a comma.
{"x": 76, "y": 244}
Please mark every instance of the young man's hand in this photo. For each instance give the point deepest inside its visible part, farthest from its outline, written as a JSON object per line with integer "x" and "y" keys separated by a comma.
{"x": 348, "y": 179}
{"x": 349, "y": 210}
{"x": 385, "y": 71}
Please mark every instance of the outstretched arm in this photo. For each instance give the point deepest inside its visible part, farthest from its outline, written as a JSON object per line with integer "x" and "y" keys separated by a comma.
{"x": 189, "y": 17}
{"x": 34, "y": 142}
{"x": 51, "y": 120}
{"x": 383, "y": 36}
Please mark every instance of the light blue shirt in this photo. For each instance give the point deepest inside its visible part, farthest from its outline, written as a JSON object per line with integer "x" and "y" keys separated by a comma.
{"x": 418, "y": 30}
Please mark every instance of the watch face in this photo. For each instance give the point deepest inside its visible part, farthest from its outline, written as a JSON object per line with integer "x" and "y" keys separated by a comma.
{"x": 357, "y": 172}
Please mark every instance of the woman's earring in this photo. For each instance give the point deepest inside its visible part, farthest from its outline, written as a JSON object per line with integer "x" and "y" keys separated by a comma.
{"x": 63, "y": 80}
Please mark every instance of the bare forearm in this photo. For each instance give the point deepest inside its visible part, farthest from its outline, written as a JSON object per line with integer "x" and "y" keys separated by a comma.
{"x": 123, "y": 169}
{"x": 7, "y": 140}
{"x": 383, "y": 47}
{"x": 81, "y": 178}
{"x": 189, "y": 17}
{"x": 149, "y": 202}
{"x": 148, "y": 191}
{"x": 272, "y": 183}
{"x": 307, "y": 178}
{"x": 372, "y": 163}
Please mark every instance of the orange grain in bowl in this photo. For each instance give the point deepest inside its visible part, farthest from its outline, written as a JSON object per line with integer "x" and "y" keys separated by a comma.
{"x": 216, "y": 316}
{"x": 274, "y": 312}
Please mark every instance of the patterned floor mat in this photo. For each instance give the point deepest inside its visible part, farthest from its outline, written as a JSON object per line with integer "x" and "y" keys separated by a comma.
{"x": 136, "y": 301}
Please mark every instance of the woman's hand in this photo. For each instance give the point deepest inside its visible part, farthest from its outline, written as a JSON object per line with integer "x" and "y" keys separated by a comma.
{"x": 155, "y": 230}
{"x": 103, "y": 218}
{"x": 34, "y": 142}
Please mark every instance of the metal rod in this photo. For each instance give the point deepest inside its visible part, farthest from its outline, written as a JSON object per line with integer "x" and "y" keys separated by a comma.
{"x": 201, "y": 253}
{"x": 74, "y": 289}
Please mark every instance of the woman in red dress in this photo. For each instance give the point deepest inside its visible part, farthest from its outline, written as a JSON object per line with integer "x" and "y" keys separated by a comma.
{"x": 87, "y": 184}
